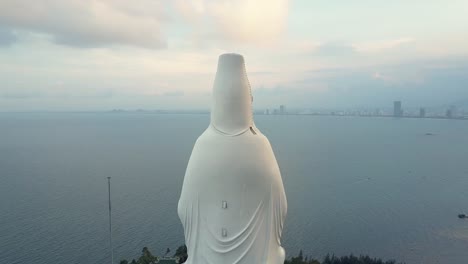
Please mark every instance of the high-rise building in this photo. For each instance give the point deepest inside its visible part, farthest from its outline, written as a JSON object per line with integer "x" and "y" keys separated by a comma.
{"x": 397, "y": 111}
{"x": 422, "y": 112}
{"x": 377, "y": 112}
{"x": 282, "y": 109}
{"x": 454, "y": 111}
{"x": 449, "y": 113}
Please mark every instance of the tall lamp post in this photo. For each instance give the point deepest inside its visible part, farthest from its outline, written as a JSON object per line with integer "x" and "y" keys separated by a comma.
{"x": 110, "y": 221}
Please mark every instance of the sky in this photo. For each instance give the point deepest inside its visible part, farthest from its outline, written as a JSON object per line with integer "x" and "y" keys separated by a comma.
{"x": 93, "y": 55}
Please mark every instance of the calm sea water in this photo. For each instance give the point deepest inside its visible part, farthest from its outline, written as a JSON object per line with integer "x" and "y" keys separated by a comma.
{"x": 376, "y": 186}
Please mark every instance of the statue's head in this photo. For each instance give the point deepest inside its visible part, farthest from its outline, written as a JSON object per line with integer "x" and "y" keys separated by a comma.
{"x": 231, "y": 111}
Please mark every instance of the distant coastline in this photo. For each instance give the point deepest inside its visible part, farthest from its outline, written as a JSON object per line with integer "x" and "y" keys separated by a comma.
{"x": 256, "y": 112}
{"x": 324, "y": 113}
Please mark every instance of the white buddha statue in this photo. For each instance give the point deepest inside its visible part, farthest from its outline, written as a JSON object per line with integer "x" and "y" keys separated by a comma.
{"x": 233, "y": 204}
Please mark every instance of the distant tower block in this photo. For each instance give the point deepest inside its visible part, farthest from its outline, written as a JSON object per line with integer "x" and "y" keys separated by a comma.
{"x": 454, "y": 111}
{"x": 282, "y": 109}
{"x": 397, "y": 111}
{"x": 422, "y": 112}
{"x": 232, "y": 205}
{"x": 449, "y": 113}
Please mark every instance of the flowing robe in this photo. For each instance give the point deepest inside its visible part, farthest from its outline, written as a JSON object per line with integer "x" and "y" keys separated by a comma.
{"x": 233, "y": 204}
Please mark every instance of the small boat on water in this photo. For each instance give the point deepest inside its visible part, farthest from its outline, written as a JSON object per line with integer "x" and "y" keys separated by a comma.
{"x": 462, "y": 216}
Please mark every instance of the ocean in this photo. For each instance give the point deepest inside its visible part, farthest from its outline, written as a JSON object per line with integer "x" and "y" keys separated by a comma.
{"x": 377, "y": 186}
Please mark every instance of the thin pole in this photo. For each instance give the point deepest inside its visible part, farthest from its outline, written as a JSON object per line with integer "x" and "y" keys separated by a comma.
{"x": 110, "y": 221}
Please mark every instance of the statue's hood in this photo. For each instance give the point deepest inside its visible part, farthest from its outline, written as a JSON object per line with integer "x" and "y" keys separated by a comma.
{"x": 231, "y": 111}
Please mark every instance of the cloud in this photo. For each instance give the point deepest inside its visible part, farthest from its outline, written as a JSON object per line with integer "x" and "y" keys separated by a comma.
{"x": 378, "y": 46}
{"x": 174, "y": 93}
{"x": 382, "y": 76}
{"x": 413, "y": 82}
{"x": 101, "y": 23}
{"x": 239, "y": 21}
{"x": 20, "y": 94}
{"x": 7, "y": 37}
{"x": 334, "y": 49}
{"x": 337, "y": 49}
{"x": 86, "y": 23}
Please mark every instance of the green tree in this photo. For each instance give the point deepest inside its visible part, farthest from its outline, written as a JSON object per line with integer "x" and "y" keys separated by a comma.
{"x": 147, "y": 257}
{"x": 181, "y": 252}
{"x": 301, "y": 260}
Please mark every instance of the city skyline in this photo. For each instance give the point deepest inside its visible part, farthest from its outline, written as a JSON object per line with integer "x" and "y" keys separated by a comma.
{"x": 422, "y": 112}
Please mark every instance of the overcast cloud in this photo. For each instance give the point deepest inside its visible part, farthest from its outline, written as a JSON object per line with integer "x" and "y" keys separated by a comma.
{"x": 104, "y": 54}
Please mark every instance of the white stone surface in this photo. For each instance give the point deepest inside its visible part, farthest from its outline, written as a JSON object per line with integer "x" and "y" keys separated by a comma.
{"x": 232, "y": 204}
